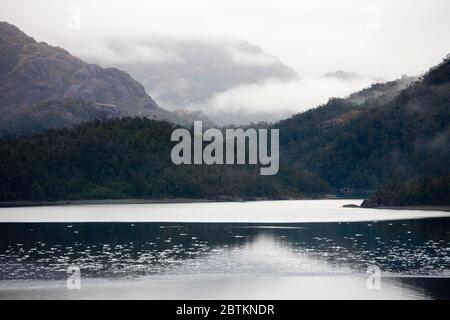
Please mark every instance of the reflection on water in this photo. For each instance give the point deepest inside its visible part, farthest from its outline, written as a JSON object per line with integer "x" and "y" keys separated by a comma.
{"x": 165, "y": 251}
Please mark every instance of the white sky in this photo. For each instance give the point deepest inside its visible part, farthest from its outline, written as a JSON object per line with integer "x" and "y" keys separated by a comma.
{"x": 384, "y": 38}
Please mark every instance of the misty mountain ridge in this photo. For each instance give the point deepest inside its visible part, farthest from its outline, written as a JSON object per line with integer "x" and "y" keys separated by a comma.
{"x": 33, "y": 73}
{"x": 384, "y": 92}
{"x": 389, "y": 132}
{"x": 217, "y": 76}
{"x": 351, "y": 76}
{"x": 183, "y": 72}
{"x": 205, "y": 80}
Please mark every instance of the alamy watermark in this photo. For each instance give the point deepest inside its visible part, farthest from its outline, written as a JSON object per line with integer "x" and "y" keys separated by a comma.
{"x": 229, "y": 149}
{"x": 374, "y": 20}
{"x": 73, "y": 281}
{"x": 373, "y": 281}
{"x": 73, "y": 21}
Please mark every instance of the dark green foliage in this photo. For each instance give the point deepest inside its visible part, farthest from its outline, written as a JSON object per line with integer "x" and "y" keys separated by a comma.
{"x": 378, "y": 139}
{"x": 129, "y": 158}
{"x": 439, "y": 74}
{"x": 434, "y": 190}
{"x": 365, "y": 146}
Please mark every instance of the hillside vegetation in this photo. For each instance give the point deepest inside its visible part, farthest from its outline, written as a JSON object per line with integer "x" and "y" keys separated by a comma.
{"x": 130, "y": 158}
{"x": 394, "y": 137}
{"x": 380, "y": 139}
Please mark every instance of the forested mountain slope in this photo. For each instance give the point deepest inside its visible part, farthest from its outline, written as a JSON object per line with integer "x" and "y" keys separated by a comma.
{"x": 386, "y": 137}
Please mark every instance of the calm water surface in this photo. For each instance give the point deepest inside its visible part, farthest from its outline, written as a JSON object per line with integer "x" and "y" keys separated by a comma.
{"x": 227, "y": 260}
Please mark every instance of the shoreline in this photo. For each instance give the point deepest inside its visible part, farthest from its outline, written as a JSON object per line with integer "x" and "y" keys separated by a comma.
{"x": 421, "y": 208}
{"x": 415, "y": 207}
{"x": 280, "y": 212}
{"x": 29, "y": 203}
{"x": 64, "y": 203}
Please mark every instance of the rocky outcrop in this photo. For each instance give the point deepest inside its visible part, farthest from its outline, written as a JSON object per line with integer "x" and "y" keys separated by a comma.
{"x": 369, "y": 203}
{"x": 351, "y": 206}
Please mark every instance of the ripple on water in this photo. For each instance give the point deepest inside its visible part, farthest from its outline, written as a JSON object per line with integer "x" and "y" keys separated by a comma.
{"x": 397, "y": 247}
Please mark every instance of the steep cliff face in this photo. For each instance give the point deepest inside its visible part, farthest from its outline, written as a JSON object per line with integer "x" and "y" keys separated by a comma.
{"x": 34, "y": 72}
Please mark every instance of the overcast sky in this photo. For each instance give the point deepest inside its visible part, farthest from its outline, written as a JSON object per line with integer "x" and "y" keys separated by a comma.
{"x": 381, "y": 38}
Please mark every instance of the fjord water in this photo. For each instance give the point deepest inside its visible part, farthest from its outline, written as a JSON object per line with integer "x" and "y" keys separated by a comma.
{"x": 250, "y": 254}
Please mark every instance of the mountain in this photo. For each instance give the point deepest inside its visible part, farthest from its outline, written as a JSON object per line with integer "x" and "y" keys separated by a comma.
{"x": 195, "y": 115}
{"x": 185, "y": 72}
{"x": 382, "y": 92}
{"x": 432, "y": 185}
{"x": 389, "y": 132}
{"x": 233, "y": 82}
{"x": 35, "y": 73}
{"x": 392, "y": 137}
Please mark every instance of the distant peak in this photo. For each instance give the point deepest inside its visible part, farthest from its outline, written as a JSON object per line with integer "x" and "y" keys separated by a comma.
{"x": 6, "y": 27}
{"x": 11, "y": 31}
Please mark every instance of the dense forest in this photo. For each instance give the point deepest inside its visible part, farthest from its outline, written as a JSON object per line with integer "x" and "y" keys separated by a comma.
{"x": 434, "y": 190}
{"x": 370, "y": 140}
{"x": 130, "y": 158}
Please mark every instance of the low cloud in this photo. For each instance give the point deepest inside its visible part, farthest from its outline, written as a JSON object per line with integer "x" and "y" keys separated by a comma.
{"x": 273, "y": 99}
{"x": 181, "y": 72}
{"x": 230, "y": 81}
{"x": 108, "y": 54}
{"x": 251, "y": 58}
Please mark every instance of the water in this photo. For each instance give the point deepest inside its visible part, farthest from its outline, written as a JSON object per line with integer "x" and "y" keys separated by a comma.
{"x": 249, "y": 212}
{"x": 228, "y": 260}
